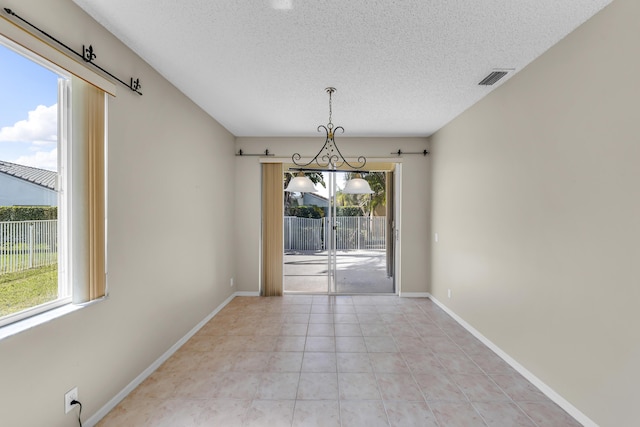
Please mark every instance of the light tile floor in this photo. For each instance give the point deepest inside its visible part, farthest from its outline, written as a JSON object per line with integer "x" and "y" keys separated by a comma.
{"x": 328, "y": 361}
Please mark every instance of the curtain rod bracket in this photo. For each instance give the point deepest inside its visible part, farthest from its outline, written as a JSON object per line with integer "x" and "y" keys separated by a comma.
{"x": 87, "y": 55}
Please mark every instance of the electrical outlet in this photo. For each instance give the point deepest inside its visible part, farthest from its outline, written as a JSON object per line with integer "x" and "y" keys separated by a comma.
{"x": 449, "y": 293}
{"x": 70, "y": 396}
{"x": 231, "y": 282}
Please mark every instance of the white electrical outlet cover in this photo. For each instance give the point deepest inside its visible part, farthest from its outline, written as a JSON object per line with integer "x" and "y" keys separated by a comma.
{"x": 70, "y": 396}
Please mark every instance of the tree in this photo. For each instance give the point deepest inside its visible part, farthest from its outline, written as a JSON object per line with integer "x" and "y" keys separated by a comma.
{"x": 377, "y": 181}
{"x": 368, "y": 202}
{"x": 345, "y": 199}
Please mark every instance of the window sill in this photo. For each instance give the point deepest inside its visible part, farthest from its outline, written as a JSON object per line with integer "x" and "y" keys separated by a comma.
{"x": 39, "y": 319}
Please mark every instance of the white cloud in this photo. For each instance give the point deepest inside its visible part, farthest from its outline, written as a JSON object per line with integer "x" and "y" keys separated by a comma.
{"x": 40, "y": 128}
{"x": 41, "y": 159}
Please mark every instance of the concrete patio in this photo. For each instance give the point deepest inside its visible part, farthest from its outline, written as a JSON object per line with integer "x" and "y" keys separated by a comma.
{"x": 359, "y": 272}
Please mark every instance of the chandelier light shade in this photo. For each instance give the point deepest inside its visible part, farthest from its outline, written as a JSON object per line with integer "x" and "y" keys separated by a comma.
{"x": 357, "y": 185}
{"x": 300, "y": 184}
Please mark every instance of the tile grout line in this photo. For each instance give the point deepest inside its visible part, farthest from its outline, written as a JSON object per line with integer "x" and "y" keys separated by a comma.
{"x": 413, "y": 375}
{"x": 446, "y": 372}
{"x": 511, "y": 400}
{"x": 391, "y": 317}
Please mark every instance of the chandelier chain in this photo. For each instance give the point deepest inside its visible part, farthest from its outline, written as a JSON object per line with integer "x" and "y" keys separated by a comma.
{"x": 330, "y": 91}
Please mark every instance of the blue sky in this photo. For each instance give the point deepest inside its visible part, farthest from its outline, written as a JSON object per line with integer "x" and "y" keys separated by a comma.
{"x": 28, "y": 118}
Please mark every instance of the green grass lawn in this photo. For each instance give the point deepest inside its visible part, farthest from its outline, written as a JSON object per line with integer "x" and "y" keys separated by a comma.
{"x": 28, "y": 288}
{"x": 20, "y": 260}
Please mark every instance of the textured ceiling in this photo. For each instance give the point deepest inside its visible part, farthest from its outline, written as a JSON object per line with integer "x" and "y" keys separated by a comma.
{"x": 401, "y": 67}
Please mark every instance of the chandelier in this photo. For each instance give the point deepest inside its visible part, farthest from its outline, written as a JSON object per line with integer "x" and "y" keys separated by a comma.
{"x": 328, "y": 159}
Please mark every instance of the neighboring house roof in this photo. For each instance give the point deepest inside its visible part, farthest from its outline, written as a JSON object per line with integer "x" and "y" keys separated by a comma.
{"x": 312, "y": 198}
{"x": 41, "y": 177}
{"x": 316, "y": 196}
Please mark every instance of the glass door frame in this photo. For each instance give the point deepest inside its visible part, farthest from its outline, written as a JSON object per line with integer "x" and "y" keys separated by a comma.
{"x": 332, "y": 260}
{"x": 331, "y": 237}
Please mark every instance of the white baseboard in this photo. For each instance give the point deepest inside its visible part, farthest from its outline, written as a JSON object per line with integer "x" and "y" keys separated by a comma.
{"x": 247, "y": 294}
{"x": 414, "y": 295}
{"x": 102, "y": 412}
{"x": 548, "y": 391}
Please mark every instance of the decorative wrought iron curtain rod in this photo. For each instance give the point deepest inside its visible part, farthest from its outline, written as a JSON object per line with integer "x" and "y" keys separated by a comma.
{"x": 266, "y": 153}
{"x": 328, "y": 170}
{"x": 88, "y": 54}
{"x": 400, "y": 152}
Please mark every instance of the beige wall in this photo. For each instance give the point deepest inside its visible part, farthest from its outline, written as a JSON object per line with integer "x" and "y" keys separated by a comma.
{"x": 536, "y": 202}
{"x": 170, "y": 240}
{"x": 415, "y": 201}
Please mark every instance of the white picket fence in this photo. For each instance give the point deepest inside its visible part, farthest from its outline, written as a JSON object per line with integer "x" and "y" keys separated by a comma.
{"x": 352, "y": 233}
{"x": 27, "y": 244}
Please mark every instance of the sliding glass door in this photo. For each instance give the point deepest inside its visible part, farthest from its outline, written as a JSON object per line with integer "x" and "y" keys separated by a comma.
{"x": 339, "y": 243}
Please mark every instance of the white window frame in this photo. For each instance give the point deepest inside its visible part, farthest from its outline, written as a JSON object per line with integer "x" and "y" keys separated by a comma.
{"x": 65, "y": 290}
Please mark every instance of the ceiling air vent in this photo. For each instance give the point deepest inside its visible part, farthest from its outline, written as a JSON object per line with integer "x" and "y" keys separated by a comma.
{"x": 493, "y": 78}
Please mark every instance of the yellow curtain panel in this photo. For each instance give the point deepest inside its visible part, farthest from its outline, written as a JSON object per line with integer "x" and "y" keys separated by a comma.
{"x": 272, "y": 233}
{"x": 95, "y": 108}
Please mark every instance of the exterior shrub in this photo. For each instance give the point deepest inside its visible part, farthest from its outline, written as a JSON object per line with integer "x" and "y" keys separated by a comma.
{"x": 349, "y": 211}
{"x": 28, "y": 213}
{"x": 305, "y": 211}
{"x": 319, "y": 212}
